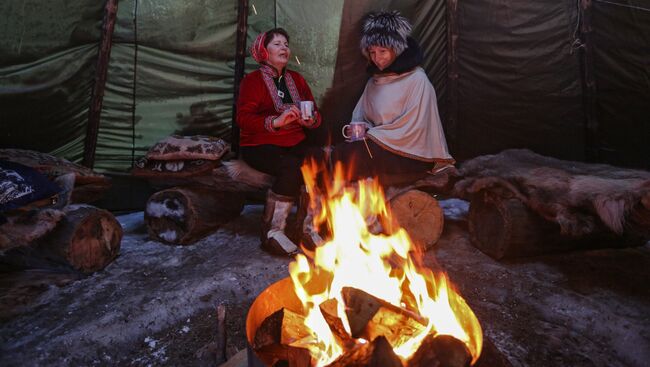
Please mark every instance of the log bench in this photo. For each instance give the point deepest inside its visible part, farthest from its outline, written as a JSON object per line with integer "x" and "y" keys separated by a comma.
{"x": 524, "y": 204}
{"x": 79, "y": 236}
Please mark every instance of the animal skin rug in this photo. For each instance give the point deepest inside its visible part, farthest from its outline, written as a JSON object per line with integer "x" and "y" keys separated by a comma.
{"x": 575, "y": 195}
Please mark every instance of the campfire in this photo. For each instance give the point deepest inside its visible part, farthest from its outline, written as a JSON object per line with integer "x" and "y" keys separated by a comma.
{"x": 362, "y": 298}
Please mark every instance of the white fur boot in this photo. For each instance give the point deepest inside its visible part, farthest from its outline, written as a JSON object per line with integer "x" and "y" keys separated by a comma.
{"x": 274, "y": 222}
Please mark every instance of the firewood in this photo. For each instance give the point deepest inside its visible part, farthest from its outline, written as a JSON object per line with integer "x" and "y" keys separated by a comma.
{"x": 276, "y": 333}
{"x": 371, "y": 317}
{"x": 330, "y": 312}
{"x": 88, "y": 238}
{"x": 419, "y": 214}
{"x": 221, "y": 334}
{"x": 182, "y": 215}
{"x": 377, "y": 353}
{"x": 440, "y": 351}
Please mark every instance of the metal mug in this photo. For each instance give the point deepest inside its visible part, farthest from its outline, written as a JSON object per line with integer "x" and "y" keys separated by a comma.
{"x": 306, "y": 109}
{"x": 357, "y": 130}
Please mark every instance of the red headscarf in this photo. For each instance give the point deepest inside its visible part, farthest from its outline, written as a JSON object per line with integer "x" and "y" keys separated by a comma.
{"x": 258, "y": 51}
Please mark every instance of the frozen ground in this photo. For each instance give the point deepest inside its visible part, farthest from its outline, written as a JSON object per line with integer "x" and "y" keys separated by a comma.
{"x": 155, "y": 305}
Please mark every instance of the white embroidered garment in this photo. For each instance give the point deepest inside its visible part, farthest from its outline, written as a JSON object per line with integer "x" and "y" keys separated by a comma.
{"x": 403, "y": 112}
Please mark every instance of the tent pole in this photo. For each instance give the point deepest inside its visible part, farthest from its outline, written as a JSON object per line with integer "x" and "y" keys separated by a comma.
{"x": 589, "y": 82}
{"x": 240, "y": 63}
{"x": 452, "y": 76}
{"x": 101, "y": 69}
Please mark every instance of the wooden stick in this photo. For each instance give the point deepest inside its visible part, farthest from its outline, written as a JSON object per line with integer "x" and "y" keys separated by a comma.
{"x": 588, "y": 81}
{"x": 101, "y": 70}
{"x": 452, "y": 75}
{"x": 221, "y": 333}
{"x": 240, "y": 61}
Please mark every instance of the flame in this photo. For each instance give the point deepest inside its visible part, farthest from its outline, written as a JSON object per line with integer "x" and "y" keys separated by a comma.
{"x": 379, "y": 264}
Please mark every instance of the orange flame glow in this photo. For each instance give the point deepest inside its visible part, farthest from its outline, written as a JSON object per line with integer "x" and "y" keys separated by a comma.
{"x": 379, "y": 264}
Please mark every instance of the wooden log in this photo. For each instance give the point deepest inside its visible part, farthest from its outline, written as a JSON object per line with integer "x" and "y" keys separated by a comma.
{"x": 370, "y": 317}
{"x": 420, "y": 215}
{"x": 377, "y": 353}
{"x": 276, "y": 333}
{"x": 182, "y": 215}
{"x": 506, "y": 228}
{"x": 441, "y": 351}
{"x": 329, "y": 310}
{"x": 88, "y": 238}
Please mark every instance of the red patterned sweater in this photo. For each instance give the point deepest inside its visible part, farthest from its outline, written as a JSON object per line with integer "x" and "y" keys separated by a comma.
{"x": 258, "y": 104}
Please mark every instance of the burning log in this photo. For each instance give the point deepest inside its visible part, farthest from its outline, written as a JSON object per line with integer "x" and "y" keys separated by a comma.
{"x": 378, "y": 353}
{"x": 330, "y": 312}
{"x": 371, "y": 317}
{"x": 276, "y": 333}
{"x": 441, "y": 351}
{"x": 182, "y": 215}
{"x": 420, "y": 215}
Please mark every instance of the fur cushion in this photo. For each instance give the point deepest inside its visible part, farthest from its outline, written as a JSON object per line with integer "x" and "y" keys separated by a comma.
{"x": 52, "y": 166}
{"x": 578, "y": 196}
{"x": 176, "y": 147}
{"x": 149, "y": 168}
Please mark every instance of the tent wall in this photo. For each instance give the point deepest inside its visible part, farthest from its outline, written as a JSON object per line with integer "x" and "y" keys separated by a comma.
{"x": 622, "y": 70}
{"x": 519, "y": 79}
{"x": 47, "y": 53}
{"x": 171, "y": 70}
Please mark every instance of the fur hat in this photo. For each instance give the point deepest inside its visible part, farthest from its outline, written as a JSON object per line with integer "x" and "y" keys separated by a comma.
{"x": 385, "y": 29}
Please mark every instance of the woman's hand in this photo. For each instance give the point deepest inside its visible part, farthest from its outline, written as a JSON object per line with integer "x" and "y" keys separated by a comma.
{"x": 289, "y": 116}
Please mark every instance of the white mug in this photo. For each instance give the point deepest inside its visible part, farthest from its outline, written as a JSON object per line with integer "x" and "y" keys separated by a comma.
{"x": 306, "y": 109}
{"x": 357, "y": 130}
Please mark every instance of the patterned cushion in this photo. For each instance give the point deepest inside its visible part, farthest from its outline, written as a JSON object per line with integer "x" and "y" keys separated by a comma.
{"x": 21, "y": 185}
{"x": 51, "y": 166}
{"x": 149, "y": 168}
{"x": 176, "y": 147}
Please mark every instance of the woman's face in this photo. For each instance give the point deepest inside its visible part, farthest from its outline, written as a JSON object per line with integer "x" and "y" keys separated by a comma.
{"x": 381, "y": 56}
{"x": 279, "y": 52}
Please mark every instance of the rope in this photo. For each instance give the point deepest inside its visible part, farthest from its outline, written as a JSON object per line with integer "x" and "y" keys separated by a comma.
{"x": 635, "y": 7}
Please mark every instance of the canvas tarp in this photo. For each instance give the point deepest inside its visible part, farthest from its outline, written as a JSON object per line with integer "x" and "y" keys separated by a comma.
{"x": 519, "y": 79}
{"x": 47, "y": 53}
{"x": 171, "y": 67}
{"x": 622, "y": 71}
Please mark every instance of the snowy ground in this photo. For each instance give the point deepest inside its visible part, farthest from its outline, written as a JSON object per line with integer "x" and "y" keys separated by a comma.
{"x": 155, "y": 305}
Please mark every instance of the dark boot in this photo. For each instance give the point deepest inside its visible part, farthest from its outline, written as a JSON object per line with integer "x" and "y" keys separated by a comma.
{"x": 276, "y": 212}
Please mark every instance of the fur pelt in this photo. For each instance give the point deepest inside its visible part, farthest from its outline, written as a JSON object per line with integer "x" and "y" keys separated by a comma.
{"x": 580, "y": 197}
{"x": 237, "y": 175}
{"x": 26, "y": 227}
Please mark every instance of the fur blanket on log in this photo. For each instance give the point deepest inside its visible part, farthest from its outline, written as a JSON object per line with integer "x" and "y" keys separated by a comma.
{"x": 580, "y": 197}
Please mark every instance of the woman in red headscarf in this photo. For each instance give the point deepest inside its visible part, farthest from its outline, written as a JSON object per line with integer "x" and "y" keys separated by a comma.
{"x": 272, "y": 131}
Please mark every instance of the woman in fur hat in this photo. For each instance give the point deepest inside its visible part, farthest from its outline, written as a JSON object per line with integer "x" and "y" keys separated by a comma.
{"x": 272, "y": 136}
{"x": 398, "y": 105}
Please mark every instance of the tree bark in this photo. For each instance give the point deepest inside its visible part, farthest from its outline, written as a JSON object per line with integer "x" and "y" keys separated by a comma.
{"x": 88, "y": 238}
{"x": 420, "y": 215}
{"x": 182, "y": 215}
